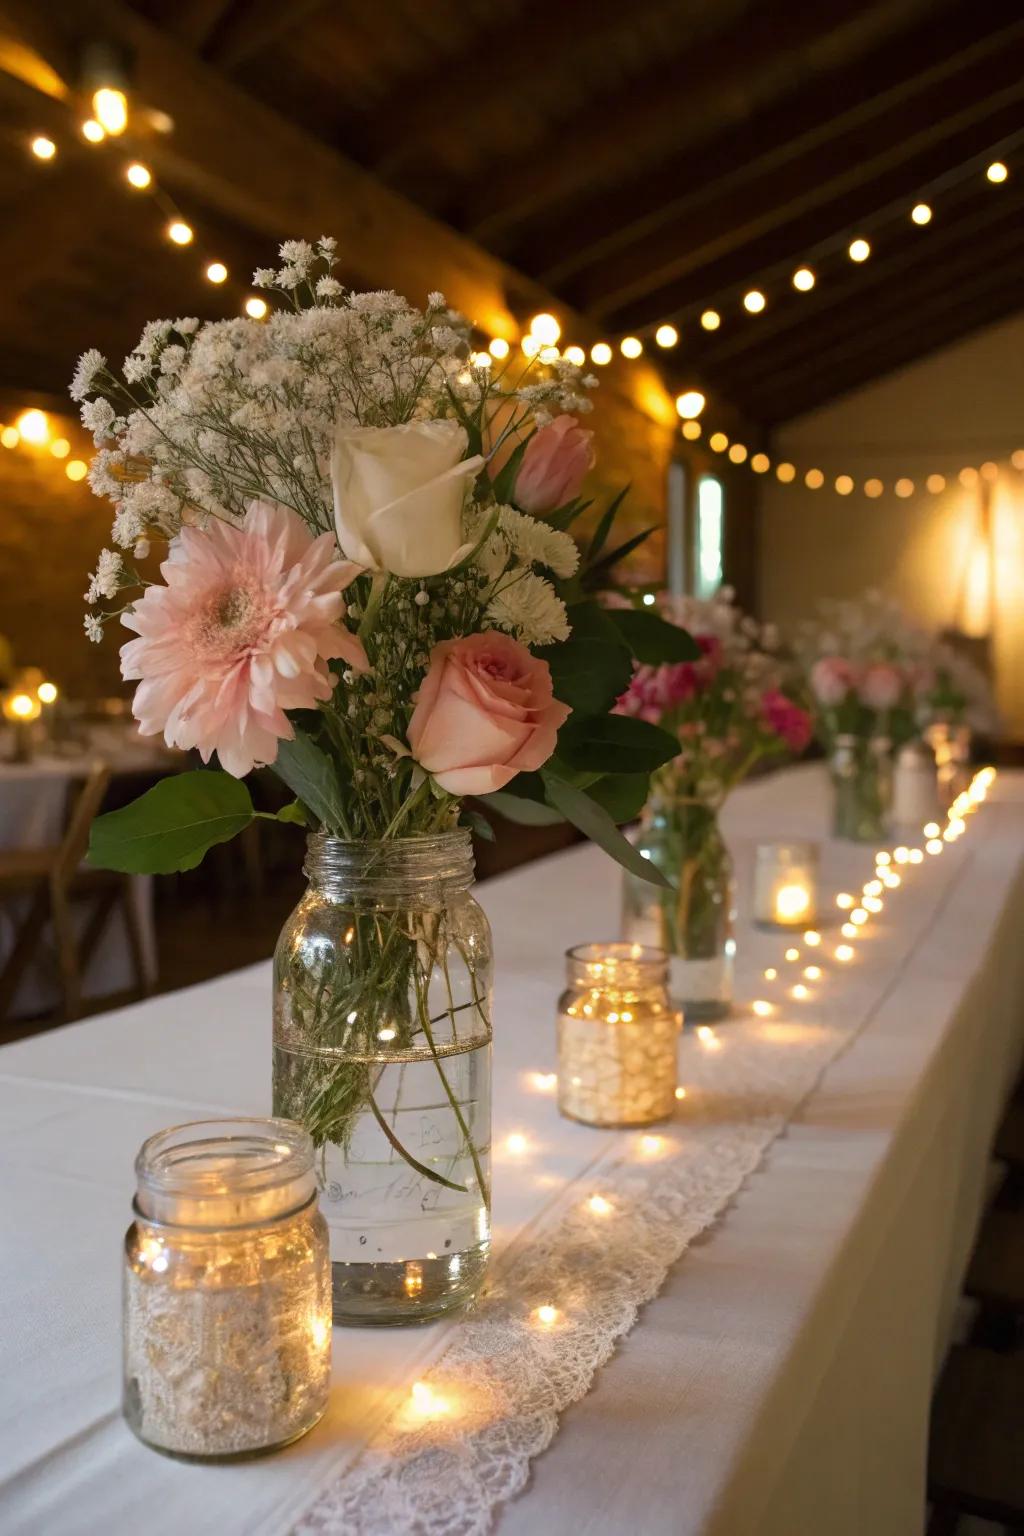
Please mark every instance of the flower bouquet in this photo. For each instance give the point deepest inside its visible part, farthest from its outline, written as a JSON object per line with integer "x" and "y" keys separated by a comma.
{"x": 371, "y": 588}
{"x": 727, "y": 711}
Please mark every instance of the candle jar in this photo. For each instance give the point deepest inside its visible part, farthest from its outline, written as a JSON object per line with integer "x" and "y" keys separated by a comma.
{"x": 617, "y": 1036}
{"x": 861, "y": 769}
{"x": 786, "y": 885}
{"x": 227, "y": 1291}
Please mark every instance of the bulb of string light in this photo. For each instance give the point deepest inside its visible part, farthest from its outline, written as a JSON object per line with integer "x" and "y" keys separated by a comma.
{"x": 754, "y": 301}
{"x": 803, "y": 279}
{"x": 690, "y": 404}
{"x": 666, "y": 335}
{"x": 111, "y": 108}
{"x": 859, "y": 249}
{"x": 546, "y": 329}
{"x": 43, "y": 148}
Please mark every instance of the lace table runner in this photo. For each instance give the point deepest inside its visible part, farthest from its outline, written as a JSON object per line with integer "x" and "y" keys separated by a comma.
{"x": 563, "y": 1293}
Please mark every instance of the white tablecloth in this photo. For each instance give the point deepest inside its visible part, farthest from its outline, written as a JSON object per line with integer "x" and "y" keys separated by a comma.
{"x": 778, "y": 1385}
{"x": 33, "y": 805}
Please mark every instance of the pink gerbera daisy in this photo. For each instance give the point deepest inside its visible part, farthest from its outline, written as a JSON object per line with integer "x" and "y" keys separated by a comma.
{"x": 242, "y": 631}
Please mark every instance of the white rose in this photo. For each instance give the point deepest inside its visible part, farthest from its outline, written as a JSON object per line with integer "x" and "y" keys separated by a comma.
{"x": 399, "y": 494}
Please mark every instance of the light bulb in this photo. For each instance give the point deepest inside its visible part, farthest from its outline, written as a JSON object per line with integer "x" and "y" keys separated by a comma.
{"x": 921, "y": 213}
{"x": 498, "y": 347}
{"x": 33, "y": 426}
{"x": 803, "y": 279}
{"x": 111, "y": 108}
{"x": 690, "y": 404}
{"x": 997, "y": 171}
{"x": 179, "y": 232}
{"x": 754, "y": 301}
{"x": 216, "y": 272}
{"x": 138, "y": 175}
{"x": 600, "y": 353}
{"x": 631, "y": 347}
{"x": 93, "y": 131}
{"x": 43, "y": 148}
{"x": 711, "y": 319}
{"x": 859, "y": 249}
{"x": 546, "y": 329}
{"x": 256, "y": 308}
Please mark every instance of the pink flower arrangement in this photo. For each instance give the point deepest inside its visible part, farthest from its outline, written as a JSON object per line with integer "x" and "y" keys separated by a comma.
{"x": 881, "y": 685}
{"x": 832, "y": 679}
{"x": 556, "y": 462}
{"x": 242, "y": 631}
{"x": 786, "y": 720}
{"x": 484, "y": 712}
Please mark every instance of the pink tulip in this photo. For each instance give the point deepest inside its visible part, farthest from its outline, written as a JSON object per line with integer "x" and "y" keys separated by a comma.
{"x": 554, "y": 466}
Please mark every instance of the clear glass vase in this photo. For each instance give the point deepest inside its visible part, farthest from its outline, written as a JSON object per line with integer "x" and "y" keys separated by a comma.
{"x": 382, "y": 1050}
{"x": 694, "y": 919}
{"x": 861, "y": 769}
{"x": 951, "y": 744}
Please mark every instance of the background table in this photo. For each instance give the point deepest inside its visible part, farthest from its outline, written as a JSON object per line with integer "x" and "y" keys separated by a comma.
{"x": 780, "y": 1381}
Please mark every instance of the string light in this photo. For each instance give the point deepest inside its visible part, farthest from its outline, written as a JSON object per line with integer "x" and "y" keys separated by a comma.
{"x": 631, "y": 346}
{"x": 600, "y": 353}
{"x": 718, "y": 442}
{"x": 60, "y": 447}
{"x": 803, "y": 279}
{"x": 812, "y": 937}
{"x": 76, "y": 469}
{"x": 754, "y": 301}
{"x": 770, "y": 973}
{"x": 904, "y": 487}
{"x": 138, "y": 176}
{"x": 666, "y": 336}
{"x": 530, "y": 345}
{"x": 546, "y": 329}
{"x": 737, "y": 453}
{"x": 43, "y": 148}
{"x": 800, "y": 991}
{"x": 690, "y": 404}
{"x": 547, "y": 1315}
{"x": 859, "y": 249}
{"x": 844, "y": 485}
{"x": 256, "y": 308}
{"x": 849, "y": 931}
{"x": 599, "y": 1206}
{"x": 762, "y": 1008}
{"x": 575, "y": 355}
{"x": 844, "y": 953}
{"x": 785, "y": 472}
{"x": 921, "y": 213}
{"x": 10, "y": 437}
{"x": 711, "y": 319}
{"x": 873, "y": 487}
{"x": 935, "y": 484}
{"x": 997, "y": 171}
{"x": 498, "y": 347}
{"x": 33, "y": 427}
{"x": 111, "y": 108}
{"x": 692, "y": 430}
{"x": 179, "y": 232}
{"x": 760, "y": 463}
{"x": 814, "y": 479}
{"x": 216, "y": 272}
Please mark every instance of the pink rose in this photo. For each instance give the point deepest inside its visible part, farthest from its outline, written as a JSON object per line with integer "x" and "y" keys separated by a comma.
{"x": 881, "y": 686}
{"x": 485, "y": 711}
{"x": 832, "y": 678}
{"x": 786, "y": 720}
{"x": 554, "y": 465}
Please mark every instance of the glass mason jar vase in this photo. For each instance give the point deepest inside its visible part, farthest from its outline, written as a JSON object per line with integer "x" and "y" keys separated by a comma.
{"x": 861, "y": 769}
{"x": 382, "y": 1050}
{"x": 693, "y": 919}
{"x": 951, "y": 744}
{"x": 227, "y": 1291}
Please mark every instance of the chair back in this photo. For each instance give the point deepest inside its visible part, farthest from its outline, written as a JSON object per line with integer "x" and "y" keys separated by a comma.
{"x": 83, "y": 813}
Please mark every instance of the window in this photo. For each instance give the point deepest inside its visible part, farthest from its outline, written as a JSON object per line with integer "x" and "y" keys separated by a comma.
{"x": 708, "y": 541}
{"x": 678, "y": 542}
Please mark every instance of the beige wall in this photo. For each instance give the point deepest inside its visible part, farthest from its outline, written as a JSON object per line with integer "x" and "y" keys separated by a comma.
{"x": 960, "y": 407}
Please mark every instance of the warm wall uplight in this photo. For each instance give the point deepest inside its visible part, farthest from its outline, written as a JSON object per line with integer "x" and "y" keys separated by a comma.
{"x": 692, "y": 430}
{"x": 997, "y": 171}
{"x": 921, "y": 213}
{"x": 711, "y": 319}
{"x": 138, "y": 175}
{"x": 785, "y": 472}
{"x": 844, "y": 484}
{"x": 814, "y": 479}
{"x": 93, "y": 131}
{"x": 873, "y": 487}
{"x": 256, "y": 308}
{"x": 498, "y": 348}
{"x": 803, "y": 279}
{"x": 936, "y": 483}
{"x": 690, "y": 404}
{"x": 546, "y": 329}
{"x": 33, "y": 426}
{"x": 216, "y": 272}
{"x": 76, "y": 469}
{"x": 859, "y": 249}
{"x": 600, "y": 353}
{"x": 43, "y": 148}
{"x": 631, "y": 346}
{"x": 666, "y": 335}
{"x": 179, "y": 232}
{"x": 738, "y": 453}
{"x": 575, "y": 355}
{"x": 111, "y": 108}
{"x": 754, "y": 301}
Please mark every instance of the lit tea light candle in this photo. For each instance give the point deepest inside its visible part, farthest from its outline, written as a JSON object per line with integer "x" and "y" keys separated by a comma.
{"x": 617, "y": 1036}
{"x": 786, "y": 885}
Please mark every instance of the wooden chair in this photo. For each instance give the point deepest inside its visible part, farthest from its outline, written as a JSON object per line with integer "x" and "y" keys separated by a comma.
{"x": 975, "y": 1465}
{"x": 50, "y": 881}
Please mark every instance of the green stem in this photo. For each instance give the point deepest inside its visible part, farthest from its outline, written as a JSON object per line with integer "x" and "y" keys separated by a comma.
{"x": 452, "y": 1100}
{"x": 406, "y": 1155}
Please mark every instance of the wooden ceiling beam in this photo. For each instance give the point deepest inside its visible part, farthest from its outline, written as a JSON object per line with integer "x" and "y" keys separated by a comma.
{"x": 719, "y": 82}
{"x": 841, "y": 101}
{"x": 924, "y": 330}
{"x": 718, "y": 274}
{"x": 848, "y": 179}
{"x": 260, "y": 26}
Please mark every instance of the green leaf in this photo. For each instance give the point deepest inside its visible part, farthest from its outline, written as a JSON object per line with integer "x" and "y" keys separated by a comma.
{"x": 615, "y": 744}
{"x": 172, "y": 825}
{"x": 478, "y": 824}
{"x": 311, "y": 776}
{"x": 563, "y": 518}
{"x": 622, "y": 795}
{"x": 651, "y": 639}
{"x": 593, "y": 667}
{"x": 594, "y": 821}
{"x": 517, "y": 808}
{"x": 595, "y": 574}
{"x": 294, "y": 812}
{"x": 504, "y": 481}
{"x": 604, "y": 527}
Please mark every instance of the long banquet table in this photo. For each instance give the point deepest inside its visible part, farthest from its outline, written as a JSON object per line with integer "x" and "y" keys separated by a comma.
{"x": 779, "y": 1382}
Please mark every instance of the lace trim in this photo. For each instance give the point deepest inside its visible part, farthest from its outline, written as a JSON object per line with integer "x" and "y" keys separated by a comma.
{"x": 506, "y": 1375}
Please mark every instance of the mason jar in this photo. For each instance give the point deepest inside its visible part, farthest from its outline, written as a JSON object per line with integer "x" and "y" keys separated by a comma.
{"x": 382, "y": 1050}
{"x": 693, "y": 918}
{"x": 227, "y": 1302}
{"x": 861, "y": 770}
{"x": 617, "y": 1036}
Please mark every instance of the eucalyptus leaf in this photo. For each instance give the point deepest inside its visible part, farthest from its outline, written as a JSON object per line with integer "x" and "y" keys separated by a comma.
{"x": 594, "y": 821}
{"x": 651, "y": 639}
{"x": 172, "y": 825}
{"x": 623, "y": 795}
{"x": 517, "y": 808}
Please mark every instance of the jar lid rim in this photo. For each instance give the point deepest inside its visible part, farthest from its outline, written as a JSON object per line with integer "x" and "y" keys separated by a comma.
{"x": 190, "y": 1158}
